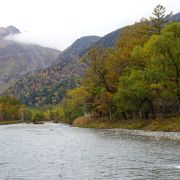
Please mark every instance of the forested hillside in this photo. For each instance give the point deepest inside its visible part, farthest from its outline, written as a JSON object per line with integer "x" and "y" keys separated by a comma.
{"x": 49, "y": 86}
{"x": 17, "y": 59}
{"x": 139, "y": 78}
{"x": 176, "y": 17}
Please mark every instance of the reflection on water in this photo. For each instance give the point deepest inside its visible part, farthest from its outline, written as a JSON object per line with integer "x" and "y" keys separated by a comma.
{"x": 57, "y": 151}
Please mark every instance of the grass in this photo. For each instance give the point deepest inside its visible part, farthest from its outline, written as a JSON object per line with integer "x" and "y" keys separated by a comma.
{"x": 4, "y": 122}
{"x": 170, "y": 124}
{"x": 159, "y": 124}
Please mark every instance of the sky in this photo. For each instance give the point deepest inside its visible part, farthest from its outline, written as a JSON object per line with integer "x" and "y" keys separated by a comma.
{"x": 58, "y": 23}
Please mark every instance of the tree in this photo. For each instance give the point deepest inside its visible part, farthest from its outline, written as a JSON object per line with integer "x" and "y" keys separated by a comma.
{"x": 134, "y": 35}
{"x": 71, "y": 110}
{"x": 25, "y": 114}
{"x": 37, "y": 116}
{"x": 134, "y": 96}
{"x": 101, "y": 79}
{"x": 80, "y": 97}
{"x": 1, "y": 111}
{"x": 140, "y": 77}
{"x": 167, "y": 47}
{"x": 159, "y": 18}
{"x": 9, "y": 108}
{"x": 160, "y": 58}
{"x": 97, "y": 71}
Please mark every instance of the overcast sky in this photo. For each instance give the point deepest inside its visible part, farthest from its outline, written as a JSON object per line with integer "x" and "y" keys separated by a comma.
{"x": 57, "y": 23}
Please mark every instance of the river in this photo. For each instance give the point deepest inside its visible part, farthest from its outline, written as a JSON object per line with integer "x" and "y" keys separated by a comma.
{"x": 58, "y": 151}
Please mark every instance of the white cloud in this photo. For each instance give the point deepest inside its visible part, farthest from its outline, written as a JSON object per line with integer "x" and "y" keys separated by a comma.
{"x": 43, "y": 40}
{"x": 57, "y": 23}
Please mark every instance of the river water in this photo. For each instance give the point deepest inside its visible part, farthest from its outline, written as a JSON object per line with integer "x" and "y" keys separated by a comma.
{"x": 58, "y": 151}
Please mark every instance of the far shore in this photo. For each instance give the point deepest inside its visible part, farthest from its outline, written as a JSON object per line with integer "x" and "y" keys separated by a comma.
{"x": 6, "y": 122}
{"x": 165, "y": 125}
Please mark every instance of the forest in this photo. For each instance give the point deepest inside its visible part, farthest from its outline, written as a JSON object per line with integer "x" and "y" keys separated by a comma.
{"x": 138, "y": 79}
{"x": 13, "y": 111}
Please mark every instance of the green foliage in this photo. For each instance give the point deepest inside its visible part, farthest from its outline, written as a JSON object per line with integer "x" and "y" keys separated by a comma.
{"x": 37, "y": 116}
{"x": 55, "y": 113}
{"x": 138, "y": 79}
{"x": 133, "y": 94}
{"x": 12, "y": 109}
{"x": 159, "y": 18}
{"x": 165, "y": 57}
{"x": 71, "y": 110}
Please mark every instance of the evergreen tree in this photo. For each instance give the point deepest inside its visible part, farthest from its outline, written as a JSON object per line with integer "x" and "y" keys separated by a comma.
{"x": 159, "y": 18}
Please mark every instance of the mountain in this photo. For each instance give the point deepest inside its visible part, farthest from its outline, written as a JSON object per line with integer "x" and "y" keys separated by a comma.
{"x": 109, "y": 40}
{"x": 17, "y": 59}
{"x": 10, "y": 30}
{"x": 176, "y": 17}
{"x": 76, "y": 50}
{"x": 49, "y": 86}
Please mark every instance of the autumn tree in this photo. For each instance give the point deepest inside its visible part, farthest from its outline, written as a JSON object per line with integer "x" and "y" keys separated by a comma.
{"x": 159, "y": 18}
{"x": 167, "y": 48}
{"x": 9, "y": 108}
{"x": 140, "y": 77}
{"x": 160, "y": 60}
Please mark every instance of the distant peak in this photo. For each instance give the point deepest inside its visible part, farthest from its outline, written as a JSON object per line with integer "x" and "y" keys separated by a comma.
{"x": 10, "y": 30}
{"x": 83, "y": 41}
{"x": 13, "y": 29}
{"x": 87, "y": 38}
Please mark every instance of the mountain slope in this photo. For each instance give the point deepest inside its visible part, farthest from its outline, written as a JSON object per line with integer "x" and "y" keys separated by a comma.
{"x": 176, "y": 17}
{"x": 109, "y": 40}
{"x": 10, "y": 30}
{"x": 49, "y": 86}
{"x": 76, "y": 50}
{"x": 17, "y": 59}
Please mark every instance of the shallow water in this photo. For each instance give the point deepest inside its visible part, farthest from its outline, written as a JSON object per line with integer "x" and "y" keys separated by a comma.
{"x": 57, "y": 151}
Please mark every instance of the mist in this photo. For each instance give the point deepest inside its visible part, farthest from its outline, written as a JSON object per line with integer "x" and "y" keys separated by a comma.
{"x": 59, "y": 43}
{"x": 58, "y": 23}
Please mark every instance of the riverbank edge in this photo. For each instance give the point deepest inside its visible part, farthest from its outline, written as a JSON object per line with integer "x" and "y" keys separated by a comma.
{"x": 165, "y": 125}
{"x": 5, "y": 122}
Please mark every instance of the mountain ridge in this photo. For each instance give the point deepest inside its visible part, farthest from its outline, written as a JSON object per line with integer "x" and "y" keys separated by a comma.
{"x": 51, "y": 84}
{"x": 17, "y": 59}
{"x": 63, "y": 72}
{"x": 9, "y": 30}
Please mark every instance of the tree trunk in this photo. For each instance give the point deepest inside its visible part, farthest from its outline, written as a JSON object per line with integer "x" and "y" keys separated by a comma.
{"x": 22, "y": 116}
{"x": 152, "y": 110}
{"x": 1, "y": 116}
{"x": 110, "y": 112}
{"x": 124, "y": 115}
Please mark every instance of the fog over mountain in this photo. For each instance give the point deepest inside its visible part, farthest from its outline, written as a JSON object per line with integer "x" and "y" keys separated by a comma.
{"x": 17, "y": 59}
{"x": 58, "y": 23}
{"x": 48, "y": 86}
{"x": 32, "y": 38}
